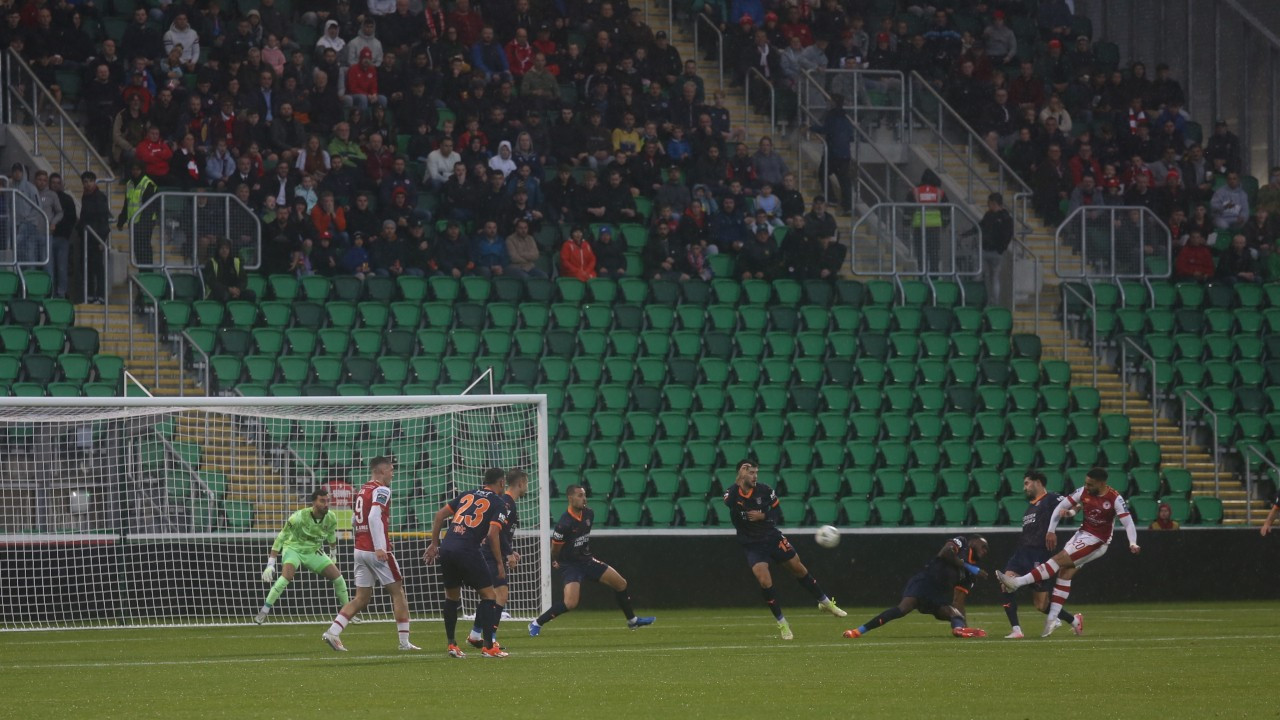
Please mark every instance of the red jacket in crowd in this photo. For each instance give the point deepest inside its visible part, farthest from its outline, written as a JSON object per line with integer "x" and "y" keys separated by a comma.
{"x": 154, "y": 157}
{"x": 577, "y": 260}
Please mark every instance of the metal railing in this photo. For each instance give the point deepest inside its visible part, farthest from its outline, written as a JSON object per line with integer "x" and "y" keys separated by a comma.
{"x": 193, "y": 478}
{"x": 1025, "y": 255}
{"x": 24, "y": 231}
{"x": 92, "y": 239}
{"x": 190, "y": 225}
{"x": 1156, "y": 396}
{"x": 700, "y": 20}
{"x": 184, "y": 341}
{"x": 1186, "y": 440}
{"x": 901, "y": 231}
{"x": 30, "y": 96}
{"x": 1248, "y": 477}
{"x": 871, "y": 97}
{"x": 1066, "y": 323}
{"x": 135, "y": 286}
{"x": 754, "y": 75}
{"x": 1112, "y": 243}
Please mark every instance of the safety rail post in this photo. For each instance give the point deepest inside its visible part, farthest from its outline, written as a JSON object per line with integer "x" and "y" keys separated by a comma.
{"x": 1189, "y": 395}
{"x": 702, "y": 18}
{"x": 91, "y": 235}
{"x": 1156, "y": 399}
{"x": 773, "y": 99}
{"x": 155, "y": 303}
{"x": 1094, "y": 325}
{"x": 184, "y": 340}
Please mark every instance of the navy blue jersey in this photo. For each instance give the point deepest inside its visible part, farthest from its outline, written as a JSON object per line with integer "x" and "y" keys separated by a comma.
{"x": 942, "y": 571}
{"x": 573, "y": 536}
{"x": 1275, "y": 502}
{"x": 509, "y": 527}
{"x": 1035, "y": 521}
{"x": 762, "y": 498}
{"x": 473, "y": 513}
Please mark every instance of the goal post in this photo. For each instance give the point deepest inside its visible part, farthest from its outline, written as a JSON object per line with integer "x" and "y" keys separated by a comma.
{"x": 128, "y": 512}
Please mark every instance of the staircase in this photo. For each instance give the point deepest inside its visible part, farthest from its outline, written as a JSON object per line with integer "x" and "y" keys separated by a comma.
{"x": 113, "y": 333}
{"x": 251, "y": 477}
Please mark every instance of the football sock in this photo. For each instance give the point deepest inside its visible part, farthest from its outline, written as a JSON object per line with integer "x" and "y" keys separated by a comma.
{"x": 771, "y": 599}
{"x": 1066, "y": 616}
{"x": 624, "y": 602}
{"x": 892, "y": 613}
{"x": 552, "y": 613}
{"x": 495, "y": 621}
{"x": 485, "y": 615}
{"x": 1011, "y": 609}
{"x": 340, "y": 589}
{"x": 339, "y": 624}
{"x": 810, "y": 583}
{"x": 957, "y": 621}
{"x": 1061, "y": 590}
{"x": 450, "y": 613}
{"x": 402, "y": 629}
{"x": 276, "y": 590}
{"x": 1043, "y": 571}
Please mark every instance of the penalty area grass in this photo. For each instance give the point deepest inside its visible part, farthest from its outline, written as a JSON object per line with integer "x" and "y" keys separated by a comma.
{"x": 1194, "y": 660}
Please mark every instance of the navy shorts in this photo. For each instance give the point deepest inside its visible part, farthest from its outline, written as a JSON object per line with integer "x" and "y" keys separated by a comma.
{"x": 928, "y": 592}
{"x": 492, "y": 564}
{"x": 779, "y": 552}
{"x": 576, "y": 572}
{"x": 458, "y": 568}
{"x": 1024, "y": 559}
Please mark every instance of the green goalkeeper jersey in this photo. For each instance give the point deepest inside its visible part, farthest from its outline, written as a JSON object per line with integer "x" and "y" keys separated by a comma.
{"x": 302, "y": 532}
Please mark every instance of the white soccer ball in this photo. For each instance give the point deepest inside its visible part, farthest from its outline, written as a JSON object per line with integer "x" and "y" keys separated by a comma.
{"x": 827, "y": 536}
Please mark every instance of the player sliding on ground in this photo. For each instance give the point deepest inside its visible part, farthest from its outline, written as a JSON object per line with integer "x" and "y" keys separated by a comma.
{"x": 373, "y": 559}
{"x": 1033, "y": 549}
{"x": 571, "y": 554}
{"x": 302, "y": 540}
{"x": 754, "y": 510}
{"x": 940, "y": 588}
{"x": 1102, "y": 506}
{"x": 478, "y": 518}
{"x": 517, "y": 485}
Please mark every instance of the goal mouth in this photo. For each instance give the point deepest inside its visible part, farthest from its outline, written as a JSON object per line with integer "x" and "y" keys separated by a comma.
{"x": 160, "y": 511}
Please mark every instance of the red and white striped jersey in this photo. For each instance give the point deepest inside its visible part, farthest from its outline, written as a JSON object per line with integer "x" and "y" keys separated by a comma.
{"x": 371, "y": 495}
{"x": 1100, "y": 511}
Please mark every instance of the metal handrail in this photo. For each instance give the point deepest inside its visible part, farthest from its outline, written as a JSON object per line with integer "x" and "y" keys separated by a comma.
{"x": 92, "y": 160}
{"x": 773, "y": 98}
{"x": 192, "y": 473}
{"x": 702, "y": 18}
{"x": 895, "y": 233}
{"x": 91, "y": 234}
{"x": 1248, "y": 478}
{"x": 852, "y": 102}
{"x": 183, "y": 339}
{"x": 1092, "y": 305}
{"x": 46, "y": 234}
{"x": 1035, "y": 294}
{"x": 1110, "y": 212}
{"x": 130, "y": 378}
{"x": 155, "y": 302}
{"x": 1189, "y": 395}
{"x": 1124, "y": 380}
{"x": 156, "y": 204}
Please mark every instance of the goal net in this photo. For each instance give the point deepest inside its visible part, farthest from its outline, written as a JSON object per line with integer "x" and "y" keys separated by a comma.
{"x": 162, "y": 511}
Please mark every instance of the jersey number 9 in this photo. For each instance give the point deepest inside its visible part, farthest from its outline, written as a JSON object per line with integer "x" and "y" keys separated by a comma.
{"x": 357, "y": 517}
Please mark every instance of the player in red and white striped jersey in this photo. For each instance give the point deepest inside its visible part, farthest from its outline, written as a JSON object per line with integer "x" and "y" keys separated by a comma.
{"x": 1102, "y": 506}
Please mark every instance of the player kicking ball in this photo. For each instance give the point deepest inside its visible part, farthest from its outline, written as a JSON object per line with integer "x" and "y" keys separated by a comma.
{"x": 373, "y": 559}
{"x": 753, "y": 508}
{"x": 1102, "y": 507}
{"x": 517, "y": 486}
{"x": 571, "y": 554}
{"x": 476, "y": 520}
{"x": 1033, "y": 550}
{"x": 940, "y": 588}
{"x": 302, "y": 541}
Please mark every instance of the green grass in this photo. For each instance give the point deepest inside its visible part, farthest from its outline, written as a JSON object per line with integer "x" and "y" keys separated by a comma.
{"x": 1165, "y": 661}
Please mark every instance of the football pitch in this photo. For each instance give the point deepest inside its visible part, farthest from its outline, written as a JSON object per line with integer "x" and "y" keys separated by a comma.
{"x": 1202, "y": 660}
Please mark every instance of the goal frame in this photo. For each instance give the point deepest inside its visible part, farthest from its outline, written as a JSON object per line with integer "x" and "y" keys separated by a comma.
{"x": 542, "y": 527}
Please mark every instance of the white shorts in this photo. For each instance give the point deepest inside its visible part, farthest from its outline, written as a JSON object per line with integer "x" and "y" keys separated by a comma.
{"x": 369, "y": 569}
{"x": 1086, "y": 547}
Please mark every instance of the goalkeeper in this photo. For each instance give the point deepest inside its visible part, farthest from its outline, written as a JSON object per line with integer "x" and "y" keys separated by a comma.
{"x": 302, "y": 539}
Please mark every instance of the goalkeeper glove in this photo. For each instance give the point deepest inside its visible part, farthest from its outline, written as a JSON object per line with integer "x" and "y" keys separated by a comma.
{"x": 269, "y": 572}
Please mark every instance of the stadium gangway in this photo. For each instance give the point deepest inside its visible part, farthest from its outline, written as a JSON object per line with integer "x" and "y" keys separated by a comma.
{"x": 91, "y": 236}
{"x": 898, "y": 232}
{"x": 1091, "y": 305}
{"x": 39, "y": 104}
{"x": 1245, "y": 451}
{"x": 24, "y": 233}
{"x": 753, "y": 76}
{"x": 1213, "y": 416}
{"x": 190, "y": 224}
{"x": 135, "y": 287}
{"x": 698, "y": 21}
{"x": 186, "y": 341}
{"x": 1109, "y": 243}
{"x": 1157, "y": 397}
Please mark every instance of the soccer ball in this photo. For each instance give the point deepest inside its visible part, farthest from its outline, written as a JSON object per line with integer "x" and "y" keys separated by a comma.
{"x": 827, "y": 536}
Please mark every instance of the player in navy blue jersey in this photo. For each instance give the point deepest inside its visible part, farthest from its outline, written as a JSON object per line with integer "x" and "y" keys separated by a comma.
{"x": 939, "y": 589}
{"x": 517, "y": 486}
{"x": 1032, "y": 551}
{"x": 753, "y": 507}
{"x": 571, "y": 554}
{"x": 1271, "y": 516}
{"x": 476, "y": 520}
